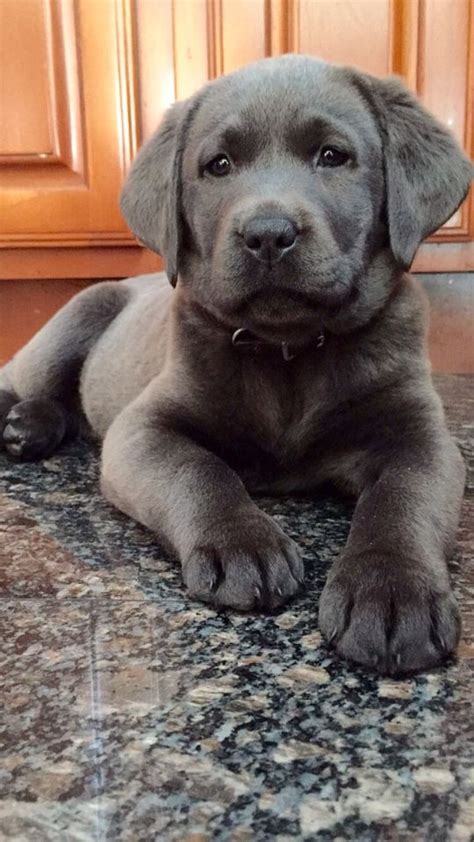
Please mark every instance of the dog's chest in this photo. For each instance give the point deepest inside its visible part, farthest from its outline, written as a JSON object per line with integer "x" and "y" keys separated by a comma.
{"x": 277, "y": 411}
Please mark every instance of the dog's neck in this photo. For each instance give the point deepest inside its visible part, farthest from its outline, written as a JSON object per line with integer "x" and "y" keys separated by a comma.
{"x": 211, "y": 329}
{"x": 245, "y": 341}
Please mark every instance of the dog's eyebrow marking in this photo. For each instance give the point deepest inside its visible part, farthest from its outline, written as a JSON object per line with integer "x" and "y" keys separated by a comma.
{"x": 241, "y": 141}
{"x": 236, "y": 132}
{"x": 320, "y": 128}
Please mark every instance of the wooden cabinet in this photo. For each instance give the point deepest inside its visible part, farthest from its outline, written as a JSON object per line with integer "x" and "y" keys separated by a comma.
{"x": 84, "y": 82}
{"x": 67, "y": 133}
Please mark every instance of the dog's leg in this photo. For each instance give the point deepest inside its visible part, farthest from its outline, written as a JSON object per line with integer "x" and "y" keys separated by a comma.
{"x": 38, "y": 388}
{"x": 232, "y": 554}
{"x": 388, "y": 602}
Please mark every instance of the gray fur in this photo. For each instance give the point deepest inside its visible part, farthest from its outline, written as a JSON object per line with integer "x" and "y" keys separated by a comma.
{"x": 150, "y": 200}
{"x": 192, "y": 424}
{"x": 425, "y": 177}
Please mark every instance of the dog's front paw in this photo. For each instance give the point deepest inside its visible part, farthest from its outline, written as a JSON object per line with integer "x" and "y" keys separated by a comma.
{"x": 33, "y": 429}
{"x": 245, "y": 564}
{"x": 391, "y": 615}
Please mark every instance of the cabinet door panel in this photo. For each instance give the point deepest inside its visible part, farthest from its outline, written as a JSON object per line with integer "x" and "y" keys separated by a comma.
{"x": 243, "y": 32}
{"x": 444, "y": 83}
{"x": 353, "y": 32}
{"x": 27, "y": 96}
{"x": 78, "y": 136}
{"x": 153, "y": 32}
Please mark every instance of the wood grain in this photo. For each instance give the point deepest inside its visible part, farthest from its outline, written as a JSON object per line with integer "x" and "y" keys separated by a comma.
{"x": 27, "y": 305}
{"x": 355, "y": 32}
{"x": 72, "y": 198}
{"x": 24, "y": 48}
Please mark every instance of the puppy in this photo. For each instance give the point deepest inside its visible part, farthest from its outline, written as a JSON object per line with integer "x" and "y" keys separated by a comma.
{"x": 287, "y": 199}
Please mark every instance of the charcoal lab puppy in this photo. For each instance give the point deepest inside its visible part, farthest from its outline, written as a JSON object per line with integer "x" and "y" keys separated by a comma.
{"x": 287, "y": 199}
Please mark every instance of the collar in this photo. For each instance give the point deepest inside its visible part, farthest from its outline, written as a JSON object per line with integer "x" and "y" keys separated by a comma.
{"x": 246, "y": 341}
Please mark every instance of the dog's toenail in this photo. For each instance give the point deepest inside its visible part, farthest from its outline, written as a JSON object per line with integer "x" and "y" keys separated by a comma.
{"x": 441, "y": 642}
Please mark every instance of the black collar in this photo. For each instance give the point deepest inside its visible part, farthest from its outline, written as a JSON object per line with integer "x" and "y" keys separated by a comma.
{"x": 244, "y": 340}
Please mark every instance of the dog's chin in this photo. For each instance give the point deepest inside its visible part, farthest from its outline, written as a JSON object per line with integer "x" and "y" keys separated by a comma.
{"x": 288, "y": 314}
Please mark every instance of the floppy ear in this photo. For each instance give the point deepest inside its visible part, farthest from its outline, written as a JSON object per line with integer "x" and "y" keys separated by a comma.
{"x": 427, "y": 175}
{"x": 151, "y": 198}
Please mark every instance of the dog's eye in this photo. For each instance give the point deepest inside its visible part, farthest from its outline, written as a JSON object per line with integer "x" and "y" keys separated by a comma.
{"x": 332, "y": 157}
{"x": 218, "y": 166}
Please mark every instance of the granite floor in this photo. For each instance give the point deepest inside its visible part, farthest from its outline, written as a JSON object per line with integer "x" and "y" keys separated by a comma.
{"x": 131, "y": 713}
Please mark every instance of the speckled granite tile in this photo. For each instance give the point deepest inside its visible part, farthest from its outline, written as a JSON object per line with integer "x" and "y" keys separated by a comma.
{"x": 59, "y": 536}
{"x": 132, "y": 713}
{"x": 127, "y": 720}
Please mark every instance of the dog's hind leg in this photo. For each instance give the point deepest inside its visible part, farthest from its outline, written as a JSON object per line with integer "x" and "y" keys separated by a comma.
{"x": 39, "y": 398}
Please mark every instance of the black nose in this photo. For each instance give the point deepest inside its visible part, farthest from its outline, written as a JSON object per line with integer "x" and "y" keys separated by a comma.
{"x": 269, "y": 239}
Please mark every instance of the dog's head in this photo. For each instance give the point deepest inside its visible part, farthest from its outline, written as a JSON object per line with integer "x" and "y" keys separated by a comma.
{"x": 275, "y": 191}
